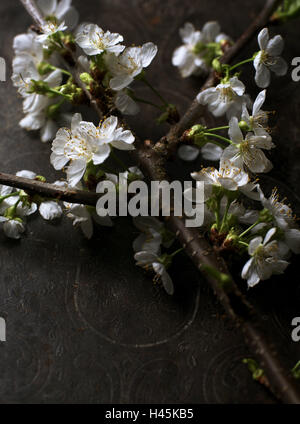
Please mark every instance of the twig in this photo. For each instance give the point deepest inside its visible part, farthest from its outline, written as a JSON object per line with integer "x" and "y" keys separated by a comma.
{"x": 205, "y": 258}
{"x": 50, "y": 190}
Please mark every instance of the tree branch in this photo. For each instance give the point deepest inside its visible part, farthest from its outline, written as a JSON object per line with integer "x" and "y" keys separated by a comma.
{"x": 50, "y": 190}
{"x": 195, "y": 244}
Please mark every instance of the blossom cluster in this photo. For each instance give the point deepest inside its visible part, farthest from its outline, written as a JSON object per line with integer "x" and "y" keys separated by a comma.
{"x": 265, "y": 228}
{"x": 239, "y": 217}
{"x": 48, "y": 91}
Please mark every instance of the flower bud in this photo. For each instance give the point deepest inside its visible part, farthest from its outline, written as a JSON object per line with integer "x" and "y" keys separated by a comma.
{"x": 217, "y": 66}
{"x": 44, "y": 68}
{"x": 244, "y": 126}
{"x": 86, "y": 78}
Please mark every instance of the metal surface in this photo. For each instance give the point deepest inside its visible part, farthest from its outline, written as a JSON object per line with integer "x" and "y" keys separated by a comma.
{"x": 84, "y": 325}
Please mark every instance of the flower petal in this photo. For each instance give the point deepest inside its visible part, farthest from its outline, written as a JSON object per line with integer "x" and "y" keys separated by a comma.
{"x": 275, "y": 46}
{"x": 234, "y": 131}
{"x": 76, "y": 171}
{"x": 279, "y": 67}
{"x": 262, "y": 76}
{"x": 148, "y": 53}
{"x": 259, "y": 101}
{"x": 188, "y": 153}
{"x": 263, "y": 38}
{"x": 50, "y": 210}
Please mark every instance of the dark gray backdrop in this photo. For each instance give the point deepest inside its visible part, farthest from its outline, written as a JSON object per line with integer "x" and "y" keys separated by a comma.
{"x": 84, "y": 325}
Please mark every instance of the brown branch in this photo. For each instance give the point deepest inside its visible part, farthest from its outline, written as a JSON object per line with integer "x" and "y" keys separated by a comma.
{"x": 168, "y": 144}
{"x": 50, "y": 190}
{"x": 201, "y": 252}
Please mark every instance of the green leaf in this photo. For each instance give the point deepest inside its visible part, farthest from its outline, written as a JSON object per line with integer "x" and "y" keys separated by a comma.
{"x": 257, "y": 373}
{"x": 296, "y": 370}
{"x": 289, "y": 9}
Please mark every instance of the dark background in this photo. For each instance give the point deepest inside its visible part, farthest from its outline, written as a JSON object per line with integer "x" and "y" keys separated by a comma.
{"x": 84, "y": 324}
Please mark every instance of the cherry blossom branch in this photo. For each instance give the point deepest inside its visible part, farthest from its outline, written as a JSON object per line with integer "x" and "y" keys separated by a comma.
{"x": 50, "y": 190}
{"x": 196, "y": 246}
{"x": 167, "y": 145}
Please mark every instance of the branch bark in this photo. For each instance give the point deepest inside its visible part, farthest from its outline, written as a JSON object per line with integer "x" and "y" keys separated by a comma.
{"x": 194, "y": 243}
{"x": 50, "y": 190}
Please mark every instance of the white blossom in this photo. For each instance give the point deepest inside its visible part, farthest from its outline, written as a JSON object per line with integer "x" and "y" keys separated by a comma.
{"x": 258, "y": 121}
{"x": 29, "y": 52}
{"x": 209, "y": 151}
{"x": 190, "y": 57}
{"x": 188, "y": 153}
{"x": 125, "y": 104}
{"x": 283, "y": 218}
{"x": 35, "y": 106}
{"x": 62, "y": 11}
{"x": 268, "y": 58}
{"x": 93, "y": 40}
{"x": 150, "y": 239}
{"x": 48, "y": 30}
{"x": 13, "y": 212}
{"x": 13, "y": 228}
{"x": 148, "y": 260}
{"x": 228, "y": 176}
{"x": 83, "y": 217}
{"x": 266, "y": 259}
{"x": 48, "y": 209}
{"x": 247, "y": 150}
{"x": 84, "y": 143}
{"x": 128, "y": 65}
{"x": 227, "y": 97}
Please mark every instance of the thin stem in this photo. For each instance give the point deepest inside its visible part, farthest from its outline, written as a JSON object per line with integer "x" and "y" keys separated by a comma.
{"x": 226, "y": 127}
{"x": 118, "y": 160}
{"x": 155, "y": 91}
{"x": 249, "y": 229}
{"x": 58, "y": 93}
{"x": 64, "y": 71}
{"x": 147, "y": 102}
{"x": 242, "y": 243}
{"x": 15, "y": 193}
{"x": 225, "y": 215}
{"x": 243, "y": 62}
{"x": 219, "y": 136}
{"x": 217, "y": 214}
{"x": 176, "y": 252}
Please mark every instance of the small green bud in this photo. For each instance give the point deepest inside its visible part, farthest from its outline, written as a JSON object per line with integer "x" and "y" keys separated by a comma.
{"x": 44, "y": 68}
{"x": 40, "y": 178}
{"x": 265, "y": 216}
{"x": 52, "y": 19}
{"x": 39, "y": 87}
{"x": 253, "y": 367}
{"x": 198, "y": 48}
{"x": 86, "y": 78}
{"x": 244, "y": 126}
{"x": 224, "y": 280}
{"x": 10, "y": 212}
{"x": 196, "y": 129}
{"x": 216, "y": 64}
{"x": 232, "y": 237}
